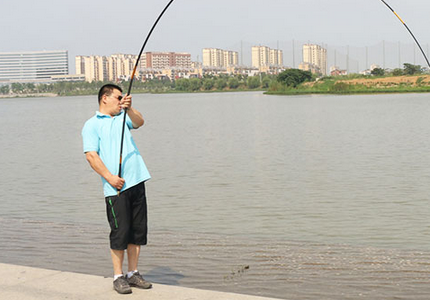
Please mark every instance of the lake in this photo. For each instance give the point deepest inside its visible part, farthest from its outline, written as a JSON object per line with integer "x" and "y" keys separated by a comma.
{"x": 320, "y": 195}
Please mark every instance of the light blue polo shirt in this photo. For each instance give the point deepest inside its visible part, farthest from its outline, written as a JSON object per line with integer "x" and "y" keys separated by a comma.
{"x": 102, "y": 133}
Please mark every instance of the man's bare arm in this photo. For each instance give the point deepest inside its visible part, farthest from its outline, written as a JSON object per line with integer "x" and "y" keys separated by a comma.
{"x": 135, "y": 116}
{"x": 97, "y": 164}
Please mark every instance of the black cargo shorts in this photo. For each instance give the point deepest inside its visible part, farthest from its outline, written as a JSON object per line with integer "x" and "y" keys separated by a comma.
{"x": 127, "y": 217}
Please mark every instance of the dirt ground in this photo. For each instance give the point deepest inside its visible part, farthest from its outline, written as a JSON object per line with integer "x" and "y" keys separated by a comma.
{"x": 391, "y": 81}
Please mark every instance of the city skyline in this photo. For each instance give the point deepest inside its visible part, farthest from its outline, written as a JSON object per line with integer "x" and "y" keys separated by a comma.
{"x": 388, "y": 55}
{"x": 104, "y": 27}
{"x": 120, "y": 68}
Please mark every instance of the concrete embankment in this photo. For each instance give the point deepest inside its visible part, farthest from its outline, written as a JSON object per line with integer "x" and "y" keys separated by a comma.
{"x": 26, "y": 283}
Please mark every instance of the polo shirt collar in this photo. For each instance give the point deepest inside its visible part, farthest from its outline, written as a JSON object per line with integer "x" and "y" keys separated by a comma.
{"x": 100, "y": 115}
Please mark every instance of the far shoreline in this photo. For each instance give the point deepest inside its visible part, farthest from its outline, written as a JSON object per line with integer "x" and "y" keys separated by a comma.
{"x": 327, "y": 85}
{"x": 269, "y": 93}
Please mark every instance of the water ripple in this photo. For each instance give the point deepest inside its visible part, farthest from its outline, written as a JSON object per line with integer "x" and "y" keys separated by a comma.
{"x": 287, "y": 270}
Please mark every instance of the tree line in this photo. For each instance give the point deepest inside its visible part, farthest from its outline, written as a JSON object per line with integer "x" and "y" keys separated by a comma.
{"x": 293, "y": 78}
{"x": 288, "y": 79}
{"x": 294, "y": 81}
{"x": 206, "y": 83}
{"x": 59, "y": 88}
{"x": 408, "y": 69}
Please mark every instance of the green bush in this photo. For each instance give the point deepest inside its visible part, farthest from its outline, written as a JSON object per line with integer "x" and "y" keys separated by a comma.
{"x": 294, "y": 77}
{"x": 233, "y": 83}
{"x": 340, "y": 87}
{"x": 253, "y": 82}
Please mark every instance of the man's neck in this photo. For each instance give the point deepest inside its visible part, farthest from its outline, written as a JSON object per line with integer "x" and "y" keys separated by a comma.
{"x": 103, "y": 111}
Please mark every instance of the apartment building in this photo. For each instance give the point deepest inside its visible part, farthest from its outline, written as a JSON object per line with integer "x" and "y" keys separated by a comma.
{"x": 263, "y": 56}
{"x": 38, "y": 66}
{"x": 315, "y": 58}
{"x": 166, "y": 60}
{"x": 105, "y": 68}
{"x": 120, "y": 66}
{"x": 219, "y": 58}
{"x": 93, "y": 67}
{"x": 304, "y": 66}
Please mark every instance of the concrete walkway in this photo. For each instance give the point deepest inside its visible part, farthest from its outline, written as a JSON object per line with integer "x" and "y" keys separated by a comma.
{"x": 26, "y": 283}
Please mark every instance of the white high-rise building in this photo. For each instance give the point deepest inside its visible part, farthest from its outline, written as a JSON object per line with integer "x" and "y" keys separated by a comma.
{"x": 263, "y": 56}
{"x": 166, "y": 60}
{"x": 120, "y": 66}
{"x": 104, "y": 68}
{"x": 213, "y": 57}
{"x": 95, "y": 68}
{"x": 315, "y": 56}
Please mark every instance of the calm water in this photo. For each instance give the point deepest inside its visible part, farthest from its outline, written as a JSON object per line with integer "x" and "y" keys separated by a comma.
{"x": 323, "y": 197}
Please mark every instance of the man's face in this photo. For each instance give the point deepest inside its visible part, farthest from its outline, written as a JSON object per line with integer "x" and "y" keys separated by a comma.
{"x": 113, "y": 102}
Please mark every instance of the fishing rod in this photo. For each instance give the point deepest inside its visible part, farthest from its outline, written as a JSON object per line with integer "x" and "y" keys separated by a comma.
{"x": 416, "y": 41}
{"x": 131, "y": 83}
{"x": 152, "y": 29}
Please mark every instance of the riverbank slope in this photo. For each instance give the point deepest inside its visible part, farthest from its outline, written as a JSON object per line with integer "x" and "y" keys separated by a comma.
{"x": 368, "y": 85}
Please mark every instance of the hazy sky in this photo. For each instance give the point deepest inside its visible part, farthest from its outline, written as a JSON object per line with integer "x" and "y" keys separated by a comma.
{"x": 104, "y": 27}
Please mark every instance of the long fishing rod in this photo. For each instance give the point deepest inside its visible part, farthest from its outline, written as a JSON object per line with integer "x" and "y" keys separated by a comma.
{"x": 131, "y": 83}
{"x": 416, "y": 41}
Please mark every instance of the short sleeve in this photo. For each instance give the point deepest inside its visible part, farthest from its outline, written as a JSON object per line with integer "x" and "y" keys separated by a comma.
{"x": 90, "y": 137}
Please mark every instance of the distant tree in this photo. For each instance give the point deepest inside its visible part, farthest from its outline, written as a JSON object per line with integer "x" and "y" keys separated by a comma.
{"x": 208, "y": 84}
{"x": 195, "y": 84}
{"x": 410, "y": 69}
{"x": 17, "y": 88}
{"x": 253, "y": 82}
{"x": 294, "y": 77}
{"x": 4, "y": 89}
{"x": 378, "y": 72}
{"x": 397, "y": 72}
{"x": 265, "y": 83}
{"x": 42, "y": 88}
{"x": 276, "y": 86}
{"x": 182, "y": 84}
{"x": 220, "y": 83}
{"x": 233, "y": 83}
{"x": 30, "y": 87}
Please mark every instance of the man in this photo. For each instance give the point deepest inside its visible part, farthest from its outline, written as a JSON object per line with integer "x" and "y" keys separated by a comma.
{"x": 127, "y": 210}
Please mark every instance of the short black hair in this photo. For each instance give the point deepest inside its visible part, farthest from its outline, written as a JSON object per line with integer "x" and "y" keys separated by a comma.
{"x": 107, "y": 90}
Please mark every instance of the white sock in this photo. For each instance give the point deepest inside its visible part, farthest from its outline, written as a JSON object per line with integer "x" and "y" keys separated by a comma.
{"x": 115, "y": 277}
{"x": 129, "y": 274}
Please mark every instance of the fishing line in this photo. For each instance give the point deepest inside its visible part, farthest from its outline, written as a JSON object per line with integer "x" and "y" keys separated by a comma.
{"x": 131, "y": 82}
{"x": 416, "y": 41}
{"x": 155, "y": 24}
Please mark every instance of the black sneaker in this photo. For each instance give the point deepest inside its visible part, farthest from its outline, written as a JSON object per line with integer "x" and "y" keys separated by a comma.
{"x": 121, "y": 285}
{"x": 136, "y": 280}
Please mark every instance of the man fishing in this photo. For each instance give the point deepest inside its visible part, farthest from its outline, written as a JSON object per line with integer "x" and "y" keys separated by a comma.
{"x": 124, "y": 193}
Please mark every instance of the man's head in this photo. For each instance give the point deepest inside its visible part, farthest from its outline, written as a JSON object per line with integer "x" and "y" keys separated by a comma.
{"x": 110, "y": 96}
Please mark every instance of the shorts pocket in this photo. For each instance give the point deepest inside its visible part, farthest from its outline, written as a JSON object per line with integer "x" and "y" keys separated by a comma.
{"x": 110, "y": 209}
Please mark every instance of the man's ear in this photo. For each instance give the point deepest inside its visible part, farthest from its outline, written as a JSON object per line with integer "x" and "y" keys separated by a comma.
{"x": 104, "y": 99}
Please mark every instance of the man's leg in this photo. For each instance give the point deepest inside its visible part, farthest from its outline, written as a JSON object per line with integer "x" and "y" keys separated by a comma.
{"x": 134, "y": 277}
{"x": 117, "y": 259}
{"x": 117, "y": 215}
{"x": 133, "y": 252}
{"x": 120, "y": 283}
{"x": 137, "y": 236}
